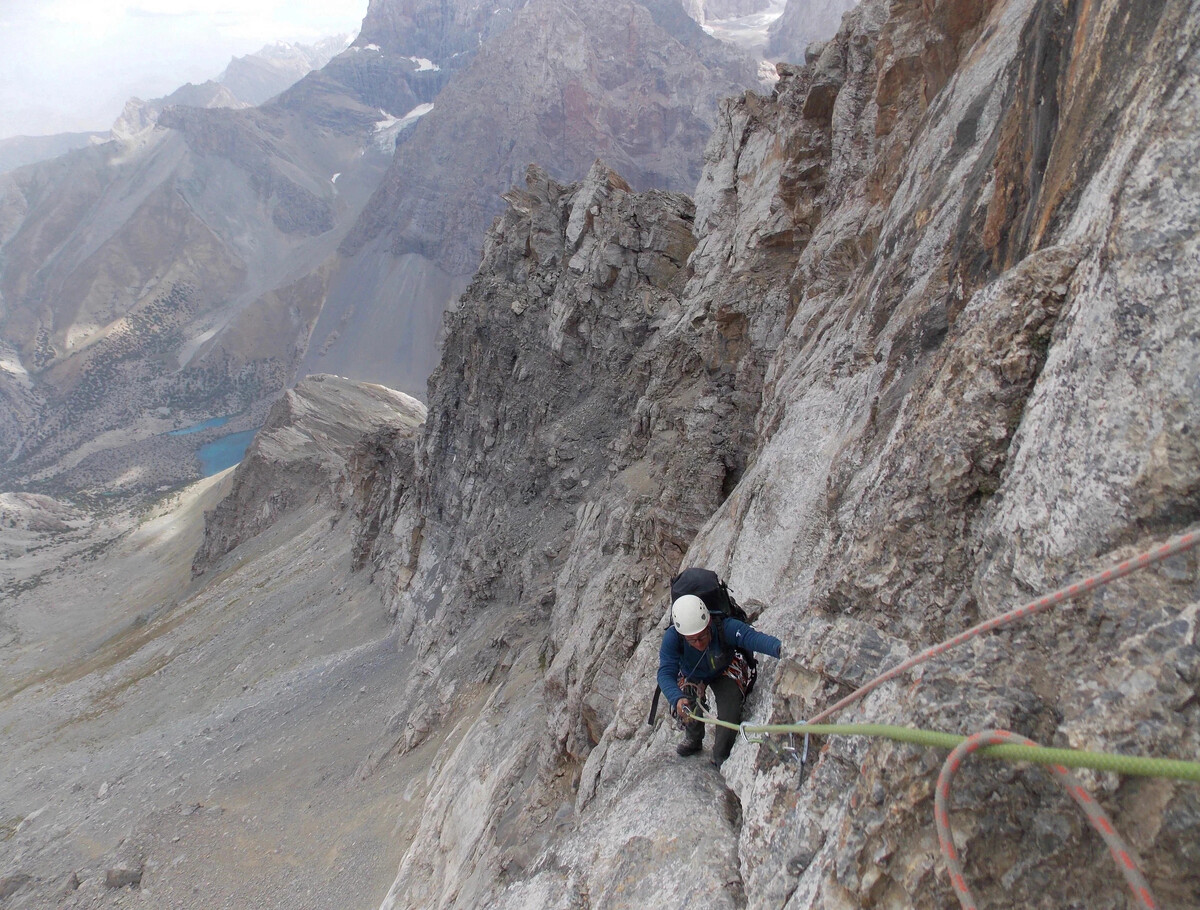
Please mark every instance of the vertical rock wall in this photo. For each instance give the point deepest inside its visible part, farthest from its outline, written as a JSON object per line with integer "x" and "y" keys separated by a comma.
{"x": 927, "y": 344}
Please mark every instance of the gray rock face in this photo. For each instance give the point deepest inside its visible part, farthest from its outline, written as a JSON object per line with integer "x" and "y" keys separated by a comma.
{"x": 630, "y": 83}
{"x": 301, "y": 455}
{"x": 560, "y": 368}
{"x": 444, "y": 33}
{"x": 562, "y": 84}
{"x": 934, "y": 351}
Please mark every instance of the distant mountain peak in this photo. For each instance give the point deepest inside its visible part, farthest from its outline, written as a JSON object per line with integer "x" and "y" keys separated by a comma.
{"x": 262, "y": 75}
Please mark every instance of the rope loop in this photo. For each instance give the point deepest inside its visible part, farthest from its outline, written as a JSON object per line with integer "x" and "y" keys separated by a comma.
{"x": 1096, "y": 817}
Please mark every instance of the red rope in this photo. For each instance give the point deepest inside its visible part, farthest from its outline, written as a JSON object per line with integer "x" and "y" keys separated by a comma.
{"x": 1178, "y": 545}
{"x": 1096, "y": 816}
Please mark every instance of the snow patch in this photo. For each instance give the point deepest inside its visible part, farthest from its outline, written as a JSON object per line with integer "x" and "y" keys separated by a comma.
{"x": 390, "y": 127}
{"x": 10, "y": 362}
{"x": 748, "y": 32}
{"x": 334, "y": 178}
{"x": 366, "y": 47}
{"x": 424, "y": 66}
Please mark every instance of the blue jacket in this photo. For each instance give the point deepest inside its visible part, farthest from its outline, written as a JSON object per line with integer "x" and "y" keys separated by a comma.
{"x": 676, "y": 656}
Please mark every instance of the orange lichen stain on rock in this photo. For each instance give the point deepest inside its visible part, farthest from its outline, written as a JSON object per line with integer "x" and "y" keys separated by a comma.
{"x": 1010, "y": 165}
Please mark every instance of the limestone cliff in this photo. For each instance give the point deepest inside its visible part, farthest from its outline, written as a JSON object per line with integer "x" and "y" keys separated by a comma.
{"x": 926, "y": 344}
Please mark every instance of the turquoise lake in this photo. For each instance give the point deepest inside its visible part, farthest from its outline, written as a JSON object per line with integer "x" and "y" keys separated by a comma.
{"x": 224, "y": 452}
{"x": 207, "y": 425}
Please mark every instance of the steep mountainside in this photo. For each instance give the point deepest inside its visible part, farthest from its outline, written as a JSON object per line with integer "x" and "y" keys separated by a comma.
{"x": 206, "y": 745}
{"x": 258, "y": 77}
{"x": 934, "y": 351}
{"x": 557, "y": 83}
{"x": 924, "y": 344}
{"x": 198, "y": 265}
{"x": 162, "y": 280}
{"x": 175, "y": 274}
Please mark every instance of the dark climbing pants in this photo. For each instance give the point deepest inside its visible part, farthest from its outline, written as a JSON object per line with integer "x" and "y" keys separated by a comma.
{"x": 729, "y": 708}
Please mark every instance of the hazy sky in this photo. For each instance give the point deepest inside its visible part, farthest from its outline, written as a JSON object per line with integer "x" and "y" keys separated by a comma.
{"x": 70, "y": 65}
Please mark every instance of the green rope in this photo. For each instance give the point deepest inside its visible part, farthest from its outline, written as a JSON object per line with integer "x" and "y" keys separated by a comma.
{"x": 1069, "y": 758}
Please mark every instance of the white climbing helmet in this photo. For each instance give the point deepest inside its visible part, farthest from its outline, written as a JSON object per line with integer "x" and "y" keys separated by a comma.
{"x": 689, "y": 615}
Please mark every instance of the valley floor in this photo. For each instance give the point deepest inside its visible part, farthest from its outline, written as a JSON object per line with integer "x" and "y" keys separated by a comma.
{"x": 223, "y": 739}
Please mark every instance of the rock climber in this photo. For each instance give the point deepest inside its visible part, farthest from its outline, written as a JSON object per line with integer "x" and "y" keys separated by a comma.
{"x": 707, "y": 647}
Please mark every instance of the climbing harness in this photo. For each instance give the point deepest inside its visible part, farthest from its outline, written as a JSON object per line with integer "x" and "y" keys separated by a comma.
{"x": 999, "y": 743}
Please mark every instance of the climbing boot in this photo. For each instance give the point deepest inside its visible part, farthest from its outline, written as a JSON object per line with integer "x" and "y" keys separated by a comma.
{"x": 690, "y": 746}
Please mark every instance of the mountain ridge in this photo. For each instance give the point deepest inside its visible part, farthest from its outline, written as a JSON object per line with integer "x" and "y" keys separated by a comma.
{"x": 922, "y": 345}
{"x": 298, "y": 267}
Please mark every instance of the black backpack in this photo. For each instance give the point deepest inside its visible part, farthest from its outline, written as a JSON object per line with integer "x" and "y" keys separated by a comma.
{"x": 707, "y": 585}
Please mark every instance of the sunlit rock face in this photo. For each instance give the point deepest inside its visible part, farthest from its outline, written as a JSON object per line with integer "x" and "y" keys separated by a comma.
{"x": 930, "y": 349}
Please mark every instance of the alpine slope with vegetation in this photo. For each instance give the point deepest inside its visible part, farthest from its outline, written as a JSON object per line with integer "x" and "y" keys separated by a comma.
{"x": 922, "y": 346}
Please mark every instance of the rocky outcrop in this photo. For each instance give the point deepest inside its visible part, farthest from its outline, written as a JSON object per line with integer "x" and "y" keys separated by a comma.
{"x": 301, "y": 455}
{"x": 561, "y": 368}
{"x": 139, "y": 116}
{"x": 933, "y": 351}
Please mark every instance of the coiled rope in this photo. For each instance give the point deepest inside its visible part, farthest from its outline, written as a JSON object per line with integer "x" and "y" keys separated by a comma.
{"x": 1003, "y": 744}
